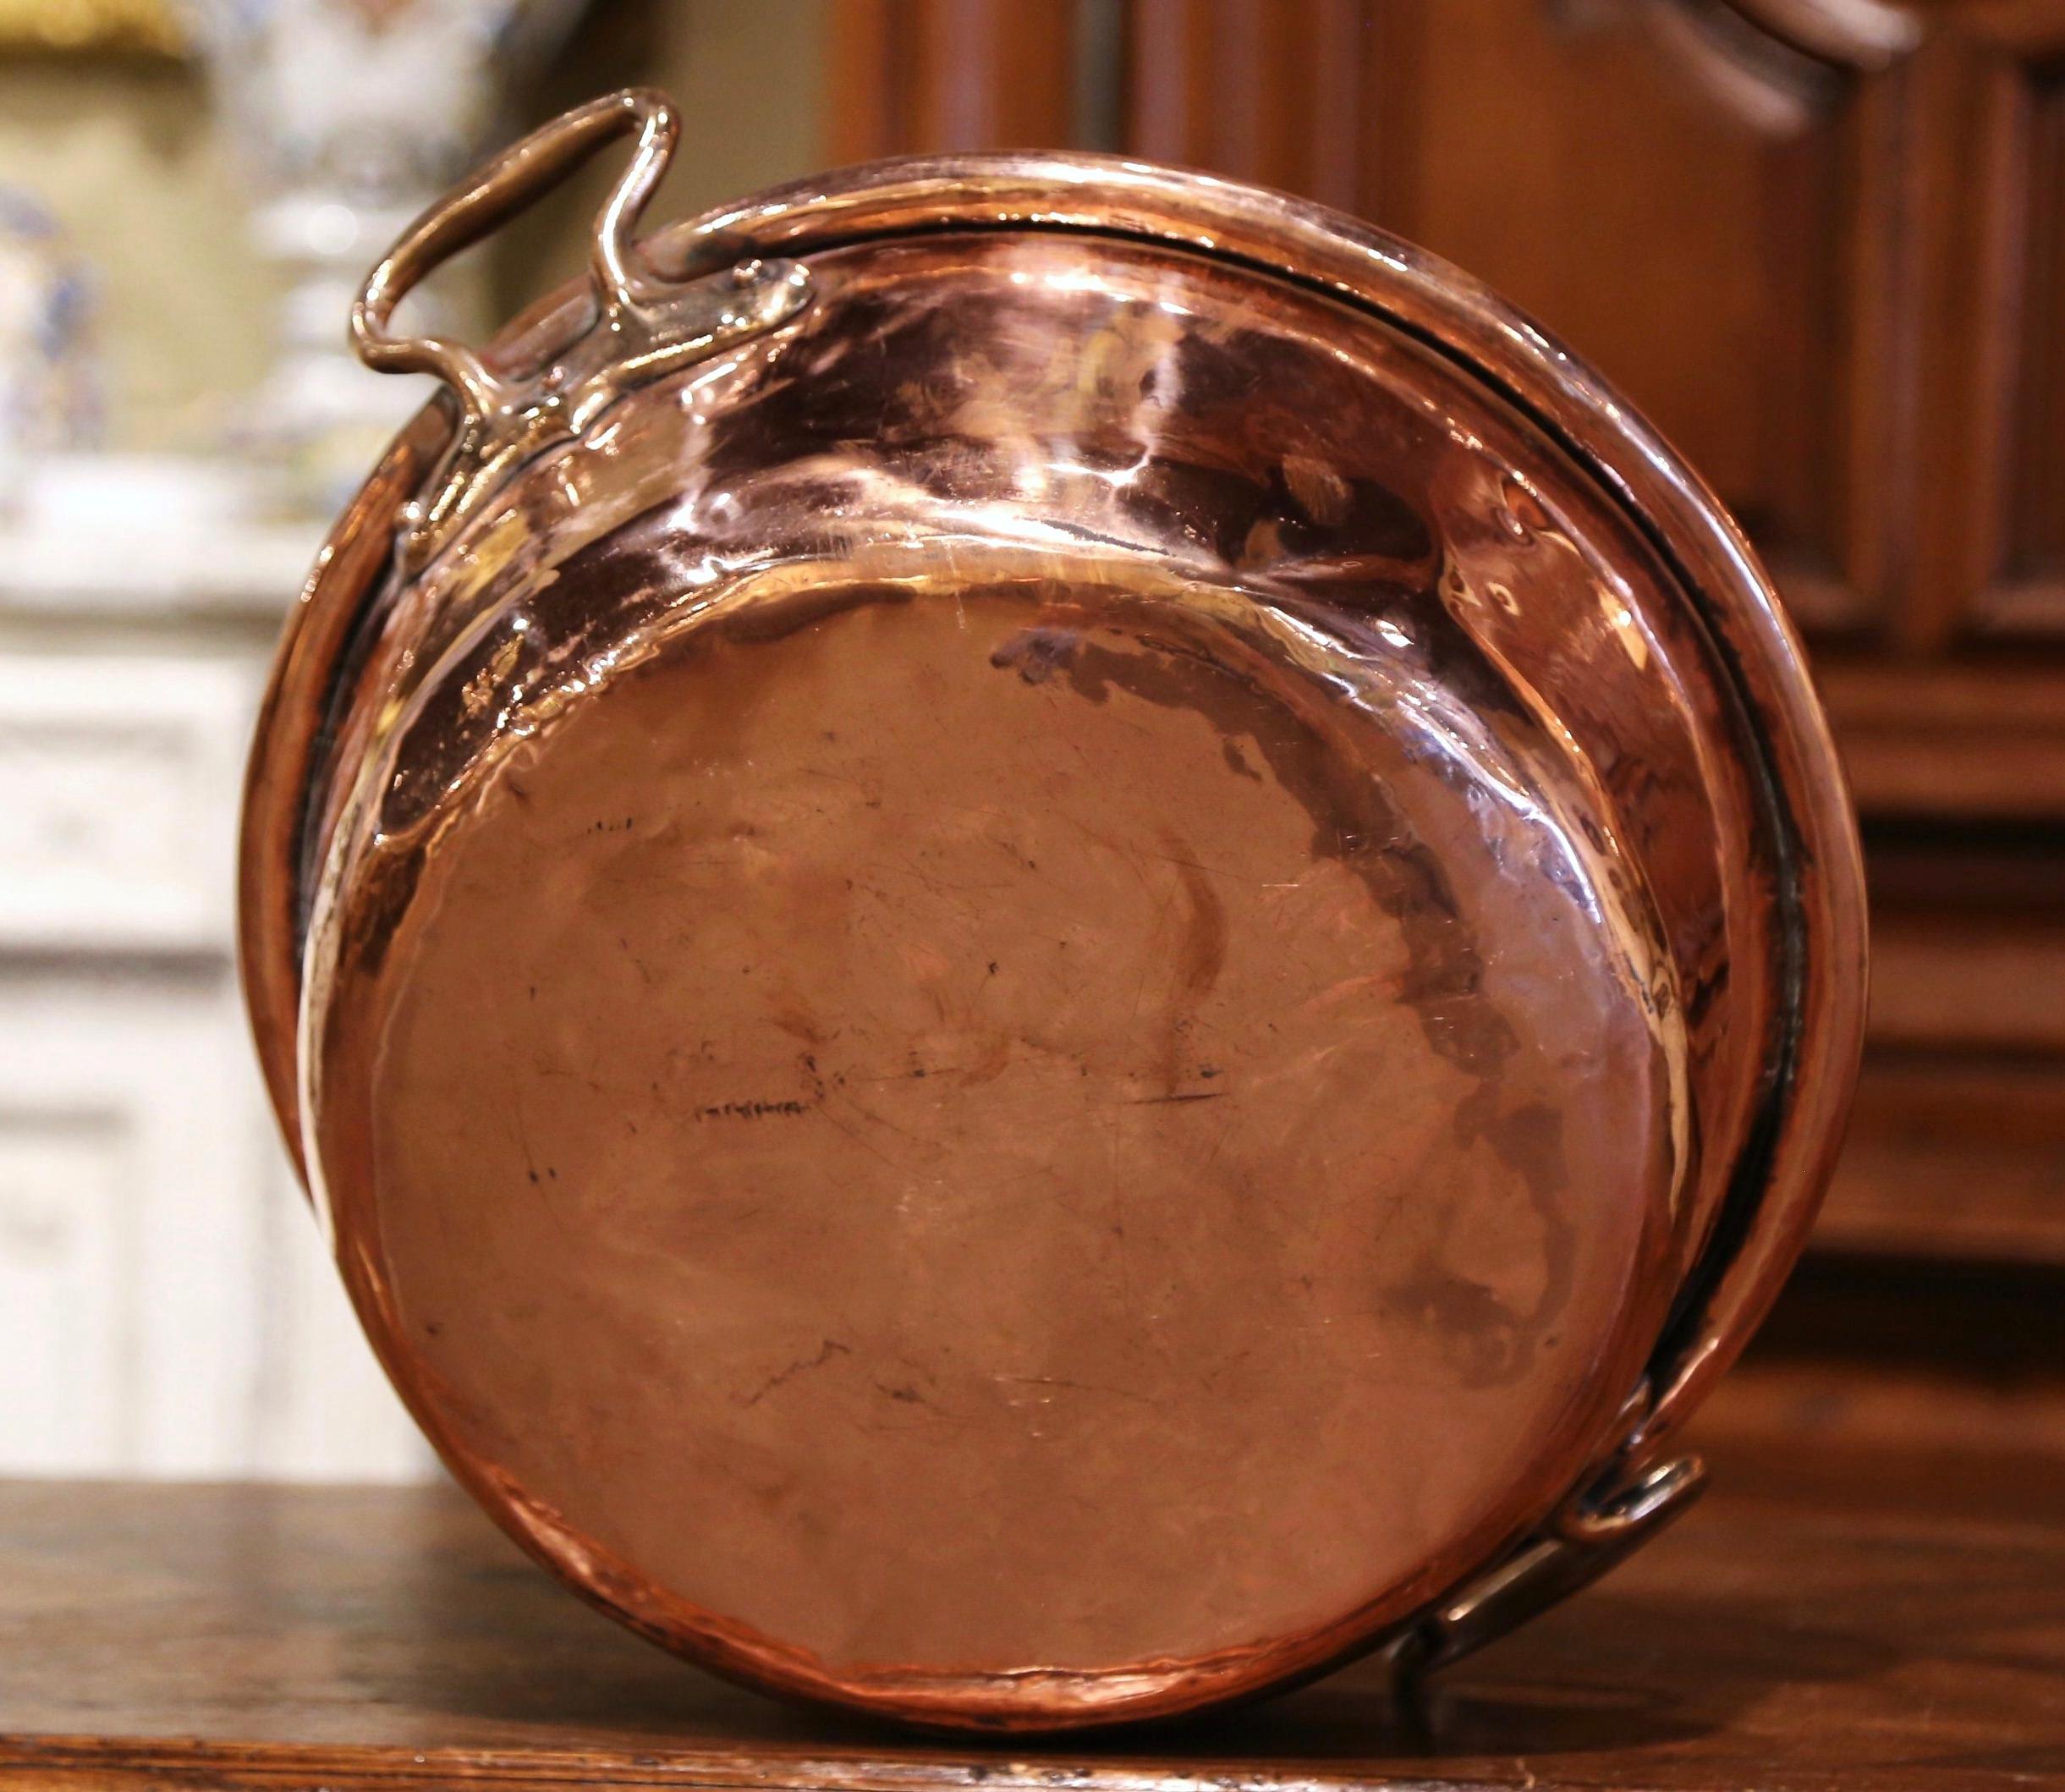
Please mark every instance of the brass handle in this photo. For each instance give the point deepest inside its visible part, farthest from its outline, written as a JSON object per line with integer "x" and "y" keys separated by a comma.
{"x": 497, "y": 191}
{"x": 641, "y": 327}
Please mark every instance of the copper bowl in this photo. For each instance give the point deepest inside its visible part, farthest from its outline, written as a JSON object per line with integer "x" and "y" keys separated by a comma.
{"x": 1051, "y": 938}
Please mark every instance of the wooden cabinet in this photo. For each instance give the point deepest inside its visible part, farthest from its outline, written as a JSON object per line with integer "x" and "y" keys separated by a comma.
{"x": 1822, "y": 243}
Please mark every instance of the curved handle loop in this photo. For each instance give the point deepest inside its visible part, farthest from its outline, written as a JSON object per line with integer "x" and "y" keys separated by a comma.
{"x": 498, "y": 190}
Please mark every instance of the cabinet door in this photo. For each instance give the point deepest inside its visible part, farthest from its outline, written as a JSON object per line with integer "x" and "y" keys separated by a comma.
{"x": 1704, "y": 212}
{"x": 165, "y": 1307}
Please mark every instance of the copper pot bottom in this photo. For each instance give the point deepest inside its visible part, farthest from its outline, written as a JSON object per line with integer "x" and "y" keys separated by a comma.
{"x": 1005, "y": 1136}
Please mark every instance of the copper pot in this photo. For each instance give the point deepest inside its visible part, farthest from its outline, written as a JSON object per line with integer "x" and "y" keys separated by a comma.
{"x": 1051, "y": 938}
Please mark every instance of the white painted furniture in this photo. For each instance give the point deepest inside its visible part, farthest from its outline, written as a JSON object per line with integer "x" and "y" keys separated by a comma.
{"x": 165, "y": 1305}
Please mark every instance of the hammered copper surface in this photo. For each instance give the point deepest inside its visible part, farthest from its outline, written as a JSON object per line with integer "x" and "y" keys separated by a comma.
{"x": 1024, "y": 1004}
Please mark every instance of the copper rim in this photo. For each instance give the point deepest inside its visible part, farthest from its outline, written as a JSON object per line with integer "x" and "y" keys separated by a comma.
{"x": 1818, "y": 896}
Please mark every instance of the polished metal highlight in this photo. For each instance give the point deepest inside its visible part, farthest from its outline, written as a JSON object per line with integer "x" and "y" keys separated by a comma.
{"x": 1085, "y": 946}
{"x": 641, "y": 328}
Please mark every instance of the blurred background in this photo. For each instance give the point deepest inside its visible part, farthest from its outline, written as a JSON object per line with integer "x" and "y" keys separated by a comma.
{"x": 1821, "y": 242}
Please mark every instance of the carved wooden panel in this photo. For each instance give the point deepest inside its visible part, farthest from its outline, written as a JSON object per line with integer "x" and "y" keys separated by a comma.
{"x": 117, "y": 812}
{"x": 165, "y": 1305}
{"x": 1700, "y": 208}
{"x": 2023, "y": 407}
{"x": 161, "y": 1280}
{"x": 66, "y": 1289}
{"x": 2036, "y": 508}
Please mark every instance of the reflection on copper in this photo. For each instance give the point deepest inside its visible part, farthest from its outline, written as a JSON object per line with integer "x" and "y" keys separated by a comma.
{"x": 1085, "y": 974}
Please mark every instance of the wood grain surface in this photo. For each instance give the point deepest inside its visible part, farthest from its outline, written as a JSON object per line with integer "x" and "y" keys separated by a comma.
{"x": 1840, "y": 1612}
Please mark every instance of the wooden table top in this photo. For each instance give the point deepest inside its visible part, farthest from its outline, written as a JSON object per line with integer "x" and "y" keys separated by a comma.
{"x": 1867, "y": 1617}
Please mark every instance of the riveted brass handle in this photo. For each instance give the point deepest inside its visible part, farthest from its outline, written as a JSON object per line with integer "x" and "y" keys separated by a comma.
{"x": 641, "y": 327}
{"x": 497, "y": 191}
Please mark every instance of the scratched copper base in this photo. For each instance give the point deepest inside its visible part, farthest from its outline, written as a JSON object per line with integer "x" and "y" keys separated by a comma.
{"x": 1016, "y": 1142}
{"x": 1025, "y": 1004}
{"x": 1002, "y": 1131}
